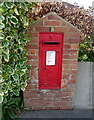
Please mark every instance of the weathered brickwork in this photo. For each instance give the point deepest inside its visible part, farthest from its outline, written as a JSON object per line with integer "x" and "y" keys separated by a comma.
{"x": 38, "y": 99}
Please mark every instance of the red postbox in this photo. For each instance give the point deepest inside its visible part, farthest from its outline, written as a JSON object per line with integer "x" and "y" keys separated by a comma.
{"x": 50, "y": 60}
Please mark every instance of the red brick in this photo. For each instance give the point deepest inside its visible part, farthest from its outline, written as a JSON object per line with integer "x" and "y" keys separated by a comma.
{"x": 33, "y": 63}
{"x": 53, "y": 17}
{"x": 34, "y": 82}
{"x": 70, "y": 61}
{"x": 57, "y": 95}
{"x": 71, "y": 81}
{"x": 66, "y": 76}
{"x": 57, "y": 104}
{"x": 30, "y": 57}
{"x": 67, "y": 107}
{"x": 72, "y": 29}
{"x": 69, "y": 89}
{"x": 39, "y": 24}
{"x": 34, "y": 91}
{"x": 53, "y": 91}
{"x": 31, "y": 51}
{"x": 28, "y": 87}
{"x": 67, "y": 99}
{"x": 73, "y": 71}
{"x": 66, "y": 56}
{"x": 31, "y": 28}
{"x": 60, "y": 29}
{"x": 66, "y": 67}
{"x": 67, "y": 41}
{"x": 68, "y": 35}
{"x": 30, "y": 96}
{"x": 42, "y": 29}
{"x": 64, "y": 24}
{"x": 34, "y": 77}
{"x": 74, "y": 46}
{"x": 33, "y": 34}
{"x": 31, "y": 46}
{"x": 65, "y": 81}
{"x": 70, "y": 51}
{"x": 66, "y": 94}
{"x": 76, "y": 35}
{"x": 27, "y": 92}
{"x": 33, "y": 68}
{"x": 46, "y": 96}
{"x": 34, "y": 40}
{"x": 74, "y": 66}
{"x": 34, "y": 86}
{"x": 67, "y": 46}
{"x": 73, "y": 56}
{"x": 33, "y": 95}
{"x": 52, "y": 23}
{"x": 52, "y": 108}
{"x": 65, "y": 86}
{"x": 38, "y": 108}
{"x": 74, "y": 41}
{"x": 73, "y": 76}
{"x": 36, "y": 100}
{"x": 69, "y": 71}
{"x": 72, "y": 86}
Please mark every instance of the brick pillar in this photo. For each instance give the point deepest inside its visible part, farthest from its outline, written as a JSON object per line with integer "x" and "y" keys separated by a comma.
{"x": 35, "y": 98}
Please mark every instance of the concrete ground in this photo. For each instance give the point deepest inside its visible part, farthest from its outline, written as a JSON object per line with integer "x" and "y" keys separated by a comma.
{"x": 83, "y": 114}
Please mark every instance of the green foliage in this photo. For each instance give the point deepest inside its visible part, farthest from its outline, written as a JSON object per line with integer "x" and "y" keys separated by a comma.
{"x": 86, "y": 50}
{"x": 13, "y": 25}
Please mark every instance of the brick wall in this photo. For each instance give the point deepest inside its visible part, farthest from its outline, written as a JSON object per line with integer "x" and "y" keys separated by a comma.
{"x": 35, "y": 98}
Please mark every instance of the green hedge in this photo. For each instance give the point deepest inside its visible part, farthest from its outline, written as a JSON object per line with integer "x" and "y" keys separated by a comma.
{"x": 13, "y": 25}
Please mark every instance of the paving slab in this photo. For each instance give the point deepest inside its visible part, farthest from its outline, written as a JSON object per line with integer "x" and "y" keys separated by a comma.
{"x": 51, "y": 114}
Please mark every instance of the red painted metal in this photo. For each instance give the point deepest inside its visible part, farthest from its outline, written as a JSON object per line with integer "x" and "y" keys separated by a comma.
{"x": 50, "y": 73}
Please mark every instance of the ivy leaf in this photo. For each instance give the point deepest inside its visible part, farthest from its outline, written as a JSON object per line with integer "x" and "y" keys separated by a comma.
{"x": 16, "y": 11}
{"x": 1, "y": 98}
{"x": 6, "y": 57}
{"x": 16, "y": 92}
{"x": 23, "y": 88}
{"x": 5, "y": 42}
{"x": 2, "y": 26}
{"x": 13, "y": 20}
{"x": 11, "y": 11}
{"x": 25, "y": 24}
{"x": 9, "y": 4}
{"x": 24, "y": 6}
{"x": 12, "y": 114}
{"x": 15, "y": 76}
{"x": 6, "y": 51}
{"x": 1, "y": 36}
{"x": 3, "y": 9}
{"x": 2, "y": 18}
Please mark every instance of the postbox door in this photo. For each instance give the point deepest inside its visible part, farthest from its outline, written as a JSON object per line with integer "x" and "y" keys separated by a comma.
{"x": 50, "y": 66}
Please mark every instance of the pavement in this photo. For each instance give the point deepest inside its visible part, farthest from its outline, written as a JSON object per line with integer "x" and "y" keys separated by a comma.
{"x": 57, "y": 114}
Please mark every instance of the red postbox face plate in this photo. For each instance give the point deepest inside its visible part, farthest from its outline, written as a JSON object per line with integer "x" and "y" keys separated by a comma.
{"x": 50, "y": 60}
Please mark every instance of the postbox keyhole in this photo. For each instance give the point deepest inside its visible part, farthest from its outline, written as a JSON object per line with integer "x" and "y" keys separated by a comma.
{"x": 44, "y": 68}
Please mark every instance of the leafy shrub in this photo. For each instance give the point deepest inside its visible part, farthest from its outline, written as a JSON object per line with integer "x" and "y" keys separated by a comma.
{"x": 78, "y": 16}
{"x": 13, "y": 25}
{"x": 86, "y": 50}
